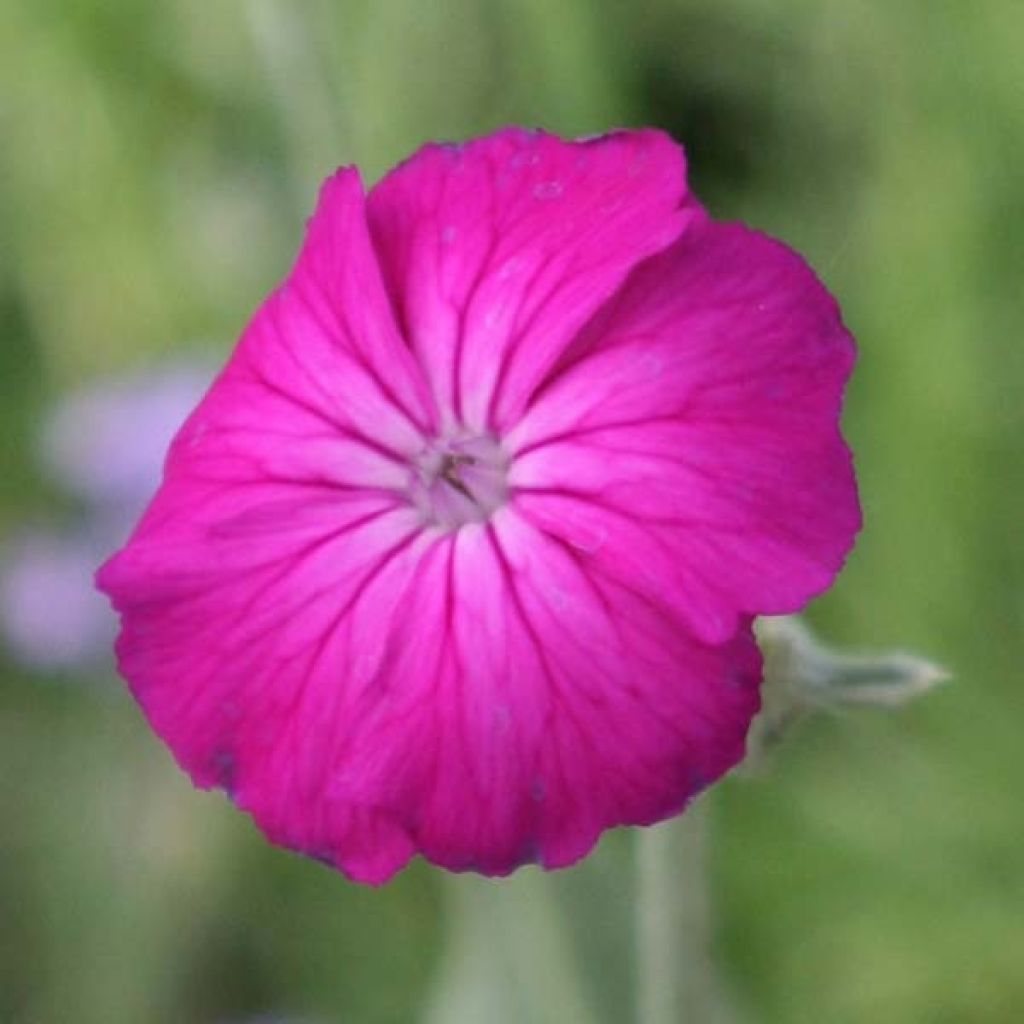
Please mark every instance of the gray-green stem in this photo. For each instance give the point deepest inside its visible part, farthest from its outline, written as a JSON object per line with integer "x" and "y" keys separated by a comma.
{"x": 676, "y": 981}
{"x": 508, "y": 955}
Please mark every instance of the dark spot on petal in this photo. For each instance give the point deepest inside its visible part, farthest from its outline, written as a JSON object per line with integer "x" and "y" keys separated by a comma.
{"x": 697, "y": 781}
{"x": 529, "y": 852}
{"x": 323, "y": 856}
{"x": 225, "y": 766}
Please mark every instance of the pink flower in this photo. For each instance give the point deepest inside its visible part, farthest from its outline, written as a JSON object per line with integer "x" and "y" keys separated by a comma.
{"x": 460, "y": 553}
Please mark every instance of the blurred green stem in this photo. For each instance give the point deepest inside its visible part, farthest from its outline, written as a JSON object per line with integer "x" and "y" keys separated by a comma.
{"x": 675, "y": 972}
{"x": 508, "y": 955}
{"x": 287, "y": 46}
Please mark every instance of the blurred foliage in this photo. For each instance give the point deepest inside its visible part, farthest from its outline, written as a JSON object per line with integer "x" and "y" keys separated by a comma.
{"x": 156, "y": 166}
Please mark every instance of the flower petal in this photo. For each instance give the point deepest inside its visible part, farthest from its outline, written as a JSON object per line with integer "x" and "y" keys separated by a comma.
{"x": 244, "y": 640}
{"x": 323, "y": 358}
{"x": 320, "y": 396}
{"x": 497, "y": 251}
{"x": 506, "y": 751}
{"x": 689, "y": 437}
{"x": 379, "y": 690}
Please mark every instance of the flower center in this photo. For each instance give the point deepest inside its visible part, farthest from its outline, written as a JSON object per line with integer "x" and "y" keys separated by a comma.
{"x": 455, "y": 481}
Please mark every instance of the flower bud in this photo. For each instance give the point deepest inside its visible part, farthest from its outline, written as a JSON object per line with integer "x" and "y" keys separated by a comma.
{"x": 802, "y": 675}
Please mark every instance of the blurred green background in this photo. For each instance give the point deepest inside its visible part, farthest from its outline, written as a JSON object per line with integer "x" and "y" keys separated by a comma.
{"x": 157, "y": 162}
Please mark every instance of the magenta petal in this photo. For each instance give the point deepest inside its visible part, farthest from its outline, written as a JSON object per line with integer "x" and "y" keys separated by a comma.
{"x": 691, "y": 437}
{"x": 502, "y": 750}
{"x": 245, "y": 644}
{"x": 497, "y": 251}
{"x": 322, "y": 362}
{"x": 449, "y": 695}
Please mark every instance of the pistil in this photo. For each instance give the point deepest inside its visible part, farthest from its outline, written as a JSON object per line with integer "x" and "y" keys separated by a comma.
{"x": 455, "y": 481}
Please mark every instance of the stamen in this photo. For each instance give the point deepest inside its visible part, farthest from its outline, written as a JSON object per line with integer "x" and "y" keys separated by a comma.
{"x": 455, "y": 481}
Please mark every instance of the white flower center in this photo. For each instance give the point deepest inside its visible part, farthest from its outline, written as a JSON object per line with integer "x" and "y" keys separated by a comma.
{"x": 462, "y": 480}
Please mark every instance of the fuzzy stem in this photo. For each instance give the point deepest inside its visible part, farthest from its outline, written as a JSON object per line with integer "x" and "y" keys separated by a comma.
{"x": 509, "y": 957}
{"x": 676, "y": 981}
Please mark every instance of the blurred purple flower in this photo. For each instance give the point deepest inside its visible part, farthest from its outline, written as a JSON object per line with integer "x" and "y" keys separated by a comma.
{"x": 48, "y": 613}
{"x": 268, "y": 1019}
{"x": 105, "y": 445}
